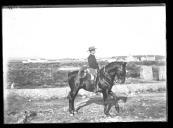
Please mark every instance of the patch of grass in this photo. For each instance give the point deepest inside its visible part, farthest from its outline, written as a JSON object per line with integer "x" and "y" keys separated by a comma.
{"x": 151, "y": 90}
{"x": 13, "y": 106}
{"x": 14, "y": 103}
{"x": 161, "y": 89}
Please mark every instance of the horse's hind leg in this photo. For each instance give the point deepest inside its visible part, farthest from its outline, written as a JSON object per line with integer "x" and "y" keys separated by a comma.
{"x": 71, "y": 102}
{"x": 71, "y": 96}
{"x": 107, "y": 109}
{"x": 117, "y": 107}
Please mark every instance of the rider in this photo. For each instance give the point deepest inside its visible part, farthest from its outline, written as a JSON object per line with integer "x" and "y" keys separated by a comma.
{"x": 93, "y": 65}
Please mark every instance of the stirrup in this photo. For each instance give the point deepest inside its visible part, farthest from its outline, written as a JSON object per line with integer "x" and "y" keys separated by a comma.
{"x": 97, "y": 90}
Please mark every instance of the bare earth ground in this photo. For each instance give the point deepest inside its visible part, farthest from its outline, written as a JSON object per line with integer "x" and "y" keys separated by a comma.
{"x": 141, "y": 106}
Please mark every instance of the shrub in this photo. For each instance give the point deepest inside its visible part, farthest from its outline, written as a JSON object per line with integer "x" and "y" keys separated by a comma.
{"x": 33, "y": 74}
{"x": 133, "y": 70}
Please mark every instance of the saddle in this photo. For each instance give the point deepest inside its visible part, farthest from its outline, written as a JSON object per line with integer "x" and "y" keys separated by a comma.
{"x": 86, "y": 70}
{"x": 83, "y": 73}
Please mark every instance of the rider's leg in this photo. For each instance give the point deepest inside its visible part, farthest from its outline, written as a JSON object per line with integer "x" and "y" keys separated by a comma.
{"x": 95, "y": 80}
{"x": 97, "y": 85}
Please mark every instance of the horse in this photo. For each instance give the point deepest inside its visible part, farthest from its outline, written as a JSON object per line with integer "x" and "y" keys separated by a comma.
{"x": 105, "y": 80}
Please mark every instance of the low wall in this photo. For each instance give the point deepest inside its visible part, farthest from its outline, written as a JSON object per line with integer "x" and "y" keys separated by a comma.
{"x": 159, "y": 72}
{"x": 162, "y": 73}
{"x": 146, "y": 73}
{"x": 153, "y": 72}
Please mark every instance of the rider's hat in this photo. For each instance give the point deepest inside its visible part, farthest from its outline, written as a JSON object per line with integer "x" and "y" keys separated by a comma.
{"x": 92, "y": 48}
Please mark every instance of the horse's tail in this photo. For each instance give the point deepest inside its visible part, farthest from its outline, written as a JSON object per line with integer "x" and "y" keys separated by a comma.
{"x": 70, "y": 79}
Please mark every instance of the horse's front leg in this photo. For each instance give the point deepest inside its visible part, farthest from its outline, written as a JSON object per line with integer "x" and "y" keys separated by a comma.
{"x": 115, "y": 101}
{"x": 107, "y": 104}
{"x": 107, "y": 108}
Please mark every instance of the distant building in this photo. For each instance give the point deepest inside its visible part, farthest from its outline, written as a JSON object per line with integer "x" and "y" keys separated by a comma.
{"x": 111, "y": 60}
{"x": 35, "y": 61}
{"x": 131, "y": 58}
{"x": 160, "y": 58}
{"x": 143, "y": 58}
{"x": 148, "y": 58}
{"x": 121, "y": 58}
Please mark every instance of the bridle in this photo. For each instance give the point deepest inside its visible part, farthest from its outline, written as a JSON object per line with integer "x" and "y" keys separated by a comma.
{"x": 107, "y": 75}
{"x": 104, "y": 72}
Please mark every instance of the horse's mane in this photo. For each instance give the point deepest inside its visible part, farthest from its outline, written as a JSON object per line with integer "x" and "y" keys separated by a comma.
{"x": 73, "y": 72}
{"x": 110, "y": 70}
{"x": 113, "y": 63}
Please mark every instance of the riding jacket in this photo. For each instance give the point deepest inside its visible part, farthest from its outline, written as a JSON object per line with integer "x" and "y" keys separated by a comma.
{"x": 92, "y": 62}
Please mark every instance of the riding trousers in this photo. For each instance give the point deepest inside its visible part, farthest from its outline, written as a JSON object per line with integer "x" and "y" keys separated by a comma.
{"x": 93, "y": 73}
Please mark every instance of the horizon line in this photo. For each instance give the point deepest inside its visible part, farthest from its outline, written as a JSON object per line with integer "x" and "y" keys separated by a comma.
{"x": 97, "y": 57}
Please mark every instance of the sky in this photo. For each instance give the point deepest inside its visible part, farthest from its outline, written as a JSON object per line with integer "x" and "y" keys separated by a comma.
{"x": 68, "y": 32}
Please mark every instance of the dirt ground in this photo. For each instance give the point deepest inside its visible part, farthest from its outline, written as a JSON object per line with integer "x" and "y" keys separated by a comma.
{"x": 139, "y": 107}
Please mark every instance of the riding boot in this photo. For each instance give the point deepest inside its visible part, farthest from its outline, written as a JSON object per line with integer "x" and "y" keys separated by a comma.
{"x": 96, "y": 89}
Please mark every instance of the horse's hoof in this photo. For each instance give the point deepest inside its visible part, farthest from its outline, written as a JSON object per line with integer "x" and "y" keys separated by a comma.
{"x": 117, "y": 109}
{"x": 71, "y": 114}
{"x": 109, "y": 115}
{"x": 75, "y": 112}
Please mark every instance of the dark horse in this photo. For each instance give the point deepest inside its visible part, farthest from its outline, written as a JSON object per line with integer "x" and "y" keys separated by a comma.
{"x": 105, "y": 80}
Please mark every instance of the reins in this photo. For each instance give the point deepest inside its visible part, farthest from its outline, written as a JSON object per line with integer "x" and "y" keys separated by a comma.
{"x": 107, "y": 75}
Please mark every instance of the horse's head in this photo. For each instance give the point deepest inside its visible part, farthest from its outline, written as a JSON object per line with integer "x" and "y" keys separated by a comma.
{"x": 121, "y": 74}
{"x": 117, "y": 71}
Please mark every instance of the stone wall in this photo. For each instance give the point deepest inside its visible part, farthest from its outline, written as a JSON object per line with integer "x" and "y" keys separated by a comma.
{"x": 162, "y": 73}
{"x": 146, "y": 73}
{"x": 153, "y": 72}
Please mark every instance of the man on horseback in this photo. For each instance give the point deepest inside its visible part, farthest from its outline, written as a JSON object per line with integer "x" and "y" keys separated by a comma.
{"x": 82, "y": 79}
{"x": 93, "y": 67}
